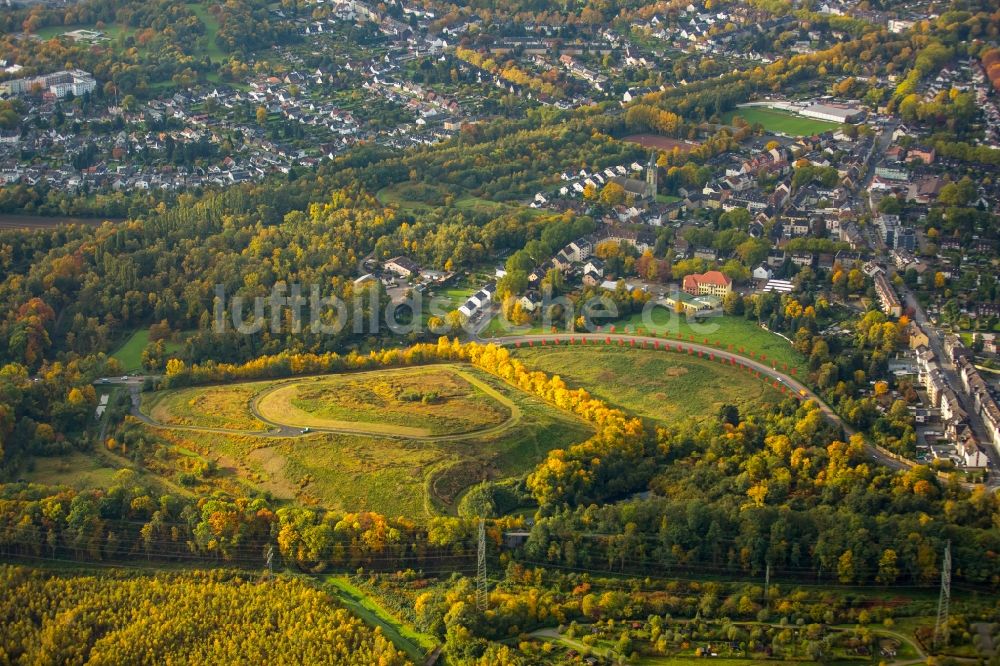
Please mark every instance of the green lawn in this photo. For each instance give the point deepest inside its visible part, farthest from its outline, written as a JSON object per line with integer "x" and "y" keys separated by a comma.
{"x": 130, "y": 353}
{"x": 740, "y": 332}
{"x": 111, "y": 32}
{"x": 415, "y": 644}
{"x": 655, "y": 384}
{"x": 776, "y": 120}
{"x": 417, "y": 198}
{"x": 744, "y": 335}
{"x": 207, "y": 45}
{"x": 447, "y": 298}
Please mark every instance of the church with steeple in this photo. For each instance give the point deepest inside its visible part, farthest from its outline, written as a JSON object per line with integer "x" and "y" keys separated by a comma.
{"x": 638, "y": 191}
{"x": 651, "y": 175}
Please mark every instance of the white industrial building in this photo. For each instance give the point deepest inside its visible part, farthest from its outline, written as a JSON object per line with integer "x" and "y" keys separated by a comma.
{"x": 835, "y": 113}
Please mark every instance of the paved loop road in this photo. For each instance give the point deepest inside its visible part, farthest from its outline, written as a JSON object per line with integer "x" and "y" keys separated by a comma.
{"x": 279, "y": 430}
{"x": 285, "y": 430}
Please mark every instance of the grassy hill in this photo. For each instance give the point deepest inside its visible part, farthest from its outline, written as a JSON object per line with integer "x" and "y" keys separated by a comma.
{"x": 500, "y": 432}
{"x": 658, "y": 385}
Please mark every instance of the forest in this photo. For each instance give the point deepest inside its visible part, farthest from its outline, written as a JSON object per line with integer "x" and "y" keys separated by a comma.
{"x": 198, "y": 616}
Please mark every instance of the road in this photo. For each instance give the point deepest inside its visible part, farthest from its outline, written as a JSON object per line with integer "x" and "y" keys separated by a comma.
{"x": 792, "y": 383}
{"x": 951, "y": 376}
{"x": 877, "y": 244}
{"x": 933, "y": 334}
{"x": 134, "y": 383}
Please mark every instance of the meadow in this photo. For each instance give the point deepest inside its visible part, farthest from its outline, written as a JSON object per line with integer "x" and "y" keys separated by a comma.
{"x": 394, "y": 475}
{"x": 783, "y": 122}
{"x": 745, "y": 336}
{"x": 225, "y": 407}
{"x": 130, "y": 353}
{"x": 418, "y": 402}
{"x": 419, "y": 198}
{"x": 75, "y": 470}
{"x": 657, "y": 385}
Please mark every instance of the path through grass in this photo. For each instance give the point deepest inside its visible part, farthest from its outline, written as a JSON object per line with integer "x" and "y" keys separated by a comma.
{"x": 415, "y": 644}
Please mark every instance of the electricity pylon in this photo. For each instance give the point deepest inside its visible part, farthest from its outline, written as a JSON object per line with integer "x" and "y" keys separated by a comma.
{"x": 941, "y": 627}
{"x": 481, "y": 596}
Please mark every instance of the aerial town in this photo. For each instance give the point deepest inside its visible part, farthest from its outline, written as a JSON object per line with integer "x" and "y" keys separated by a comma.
{"x": 500, "y": 332}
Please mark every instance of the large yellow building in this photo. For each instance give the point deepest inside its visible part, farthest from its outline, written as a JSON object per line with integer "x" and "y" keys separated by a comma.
{"x": 710, "y": 283}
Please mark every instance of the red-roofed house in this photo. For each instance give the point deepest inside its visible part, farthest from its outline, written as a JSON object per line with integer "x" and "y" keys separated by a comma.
{"x": 711, "y": 283}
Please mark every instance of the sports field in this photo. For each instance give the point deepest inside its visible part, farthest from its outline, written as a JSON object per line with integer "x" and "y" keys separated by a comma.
{"x": 782, "y": 122}
{"x": 661, "y": 142}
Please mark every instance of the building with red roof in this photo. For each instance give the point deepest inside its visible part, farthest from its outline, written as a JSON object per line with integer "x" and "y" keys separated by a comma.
{"x": 712, "y": 283}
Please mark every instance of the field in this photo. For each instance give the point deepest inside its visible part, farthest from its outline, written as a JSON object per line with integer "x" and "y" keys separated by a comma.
{"x": 415, "y": 402}
{"x": 208, "y": 406}
{"x": 418, "y": 198}
{"x": 739, "y": 332}
{"x": 658, "y": 385}
{"x": 661, "y": 142}
{"x": 130, "y": 353}
{"x": 391, "y": 472}
{"x": 782, "y": 122}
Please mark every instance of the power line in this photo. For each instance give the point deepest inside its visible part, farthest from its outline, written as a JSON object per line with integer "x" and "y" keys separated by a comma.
{"x": 624, "y": 574}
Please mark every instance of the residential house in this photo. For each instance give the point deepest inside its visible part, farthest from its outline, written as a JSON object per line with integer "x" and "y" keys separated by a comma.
{"x": 402, "y": 266}
{"x": 887, "y": 296}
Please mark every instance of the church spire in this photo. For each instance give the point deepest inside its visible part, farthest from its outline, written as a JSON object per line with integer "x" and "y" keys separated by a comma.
{"x": 651, "y": 175}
